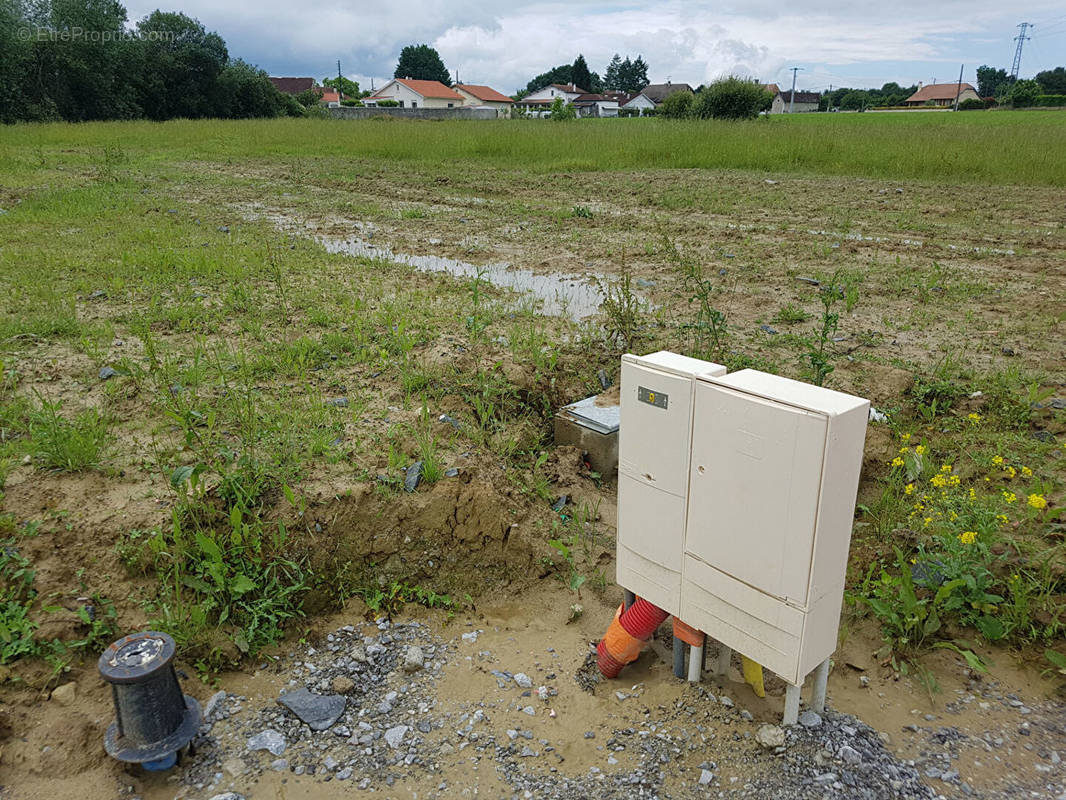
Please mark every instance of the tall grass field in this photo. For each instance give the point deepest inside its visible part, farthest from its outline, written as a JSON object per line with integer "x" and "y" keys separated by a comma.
{"x": 1023, "y": 148}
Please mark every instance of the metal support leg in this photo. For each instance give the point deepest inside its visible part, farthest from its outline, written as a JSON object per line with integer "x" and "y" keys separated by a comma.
{"x": 821, "y": 677}
{"x": 628, "y": 598}
{"x": 695, "y": 663}
{"x": 725, "y": 657}
{"x": 679, "y": 658}
{"x": 792, "y": 705}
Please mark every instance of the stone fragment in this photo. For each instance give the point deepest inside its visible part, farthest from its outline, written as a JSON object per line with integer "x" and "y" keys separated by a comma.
{"x": 413, "y": 659}
{"x": 343, "y": 684}
{"x": 269, "y": 740}
{"x": 394, "y": 736}
{"x": 64, "y": 695}
{"x": 810, "y": 720}
{"x": 319, "y": 711}
{"x": 770, "y": 736}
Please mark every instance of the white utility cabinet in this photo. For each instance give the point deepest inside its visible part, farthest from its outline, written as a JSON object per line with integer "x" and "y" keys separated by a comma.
{"x": 654, "y": 445}
{"x": 748, "y": 491}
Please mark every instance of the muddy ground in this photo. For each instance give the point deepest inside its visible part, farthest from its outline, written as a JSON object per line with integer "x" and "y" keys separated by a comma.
{"x": 967, "y": 275}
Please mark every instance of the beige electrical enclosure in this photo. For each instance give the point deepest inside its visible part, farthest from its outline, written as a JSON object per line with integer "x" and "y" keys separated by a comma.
{"x": 761, "y": 528}
{"x": 653, "y": 471}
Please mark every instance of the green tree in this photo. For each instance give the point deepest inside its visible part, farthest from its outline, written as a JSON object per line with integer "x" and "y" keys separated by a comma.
{"x": 1052, "y": 81}
{"x": 610, "y": 76}
{"x": 638, "y": 75}
{"x": 15, "y": 63}
{"x": 309, "y": 98}
{"x": 632, "y": 75}
{"x": 1024, "y": 93}
{"x": 676, "y": 106}
{"x": 243, "y": 91}
{"x": 86, "y": 74}
{"x": 181, "y": 63}
{"x": 731, "y": 98}
{"x": 580, "y": 75}
{"x": 855, "y": 100}
{"x": 560, "y": 74}
{"x": 561, "y": 110}
{"x": 991, "y": 81}
{"x": 423, "y": 63}
{"x": 345, "y": 86}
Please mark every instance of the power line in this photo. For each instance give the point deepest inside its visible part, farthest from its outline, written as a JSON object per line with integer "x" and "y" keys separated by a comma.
{"x": 1020, "y": 39}
{"x": 792, "y": 97}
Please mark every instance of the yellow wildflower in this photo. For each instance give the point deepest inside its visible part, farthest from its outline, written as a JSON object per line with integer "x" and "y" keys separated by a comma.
{"x": 906, "y": 437}
{"x": 904, "y": 450}
{"x": 953, "y": 516}
{"x": 938, "y": 480}
{"x": 997, "y": 460}
{"x": 1010, "y": 497}
{"x": 908, "y": 489}
{"x": 928, "y": 520}
{"x": 1011, "y": 472}
{"x": 1037, "y": 501}
{"x": 1002, "y": 519}
{"x": 1027, "y": 472}
{"x": 973, "y": 417}
{"x": 954, "y": 480}
{"x": 920, "y": 449}
{"x": 946, "y": 468}
{"x": 968, "y": 537}
{"x": 897, "y": 462}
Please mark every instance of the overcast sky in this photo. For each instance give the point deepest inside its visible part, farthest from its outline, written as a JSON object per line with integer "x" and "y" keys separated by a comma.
{"x": 837, "y": 42}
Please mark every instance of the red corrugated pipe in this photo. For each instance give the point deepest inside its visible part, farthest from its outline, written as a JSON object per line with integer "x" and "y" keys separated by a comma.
{"x": 626, "y": 635}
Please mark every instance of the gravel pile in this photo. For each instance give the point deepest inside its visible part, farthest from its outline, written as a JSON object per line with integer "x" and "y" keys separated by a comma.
{"x": 361, "y": 707}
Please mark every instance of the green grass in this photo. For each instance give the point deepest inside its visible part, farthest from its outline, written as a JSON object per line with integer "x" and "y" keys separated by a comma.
{"x": 957, "y": 148}
{"x": 232, "y": 345}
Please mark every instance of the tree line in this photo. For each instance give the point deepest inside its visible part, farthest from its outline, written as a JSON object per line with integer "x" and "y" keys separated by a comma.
{"x": 622, "y": 75}
{"x": 76, "y": 60}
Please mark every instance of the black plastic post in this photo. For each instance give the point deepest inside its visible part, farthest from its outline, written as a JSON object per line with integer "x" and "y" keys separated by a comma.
{"x": 153, "y": 719}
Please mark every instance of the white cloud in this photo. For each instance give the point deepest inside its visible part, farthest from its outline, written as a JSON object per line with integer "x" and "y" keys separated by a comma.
{"x": 694, "y": 42}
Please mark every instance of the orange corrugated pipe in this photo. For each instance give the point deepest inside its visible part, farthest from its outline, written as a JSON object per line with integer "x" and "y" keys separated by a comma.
{"x": 626, "y": 635}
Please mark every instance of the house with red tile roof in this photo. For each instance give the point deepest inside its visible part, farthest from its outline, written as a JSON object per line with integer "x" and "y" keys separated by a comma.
{"x": 483, "y": 97}
{"x": 411, "y": 93}
{"x": 941, "y": 94}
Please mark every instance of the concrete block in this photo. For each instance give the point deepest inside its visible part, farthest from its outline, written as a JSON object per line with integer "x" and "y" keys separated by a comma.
{"x": 591, "y": 425}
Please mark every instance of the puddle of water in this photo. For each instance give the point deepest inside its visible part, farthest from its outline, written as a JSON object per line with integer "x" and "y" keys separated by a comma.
{"x": 562, "y": 295}
{"x": 572, "y": 296}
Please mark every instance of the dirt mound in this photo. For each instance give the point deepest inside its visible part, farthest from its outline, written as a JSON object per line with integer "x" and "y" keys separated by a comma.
{"x": 458, "y": 537}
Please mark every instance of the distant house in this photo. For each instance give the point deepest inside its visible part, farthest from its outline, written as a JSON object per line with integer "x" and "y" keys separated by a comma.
{"x": 941, "y": 94}
{"x": 484, "y": 97}
{"x": 652, "y": 95}
{"x": 416, "y": 94}
{"x": 782, "y": 104}
{"x": 595, "y": 105}
{"x": 539, "y": 103}
{"x": 293, "y": 85}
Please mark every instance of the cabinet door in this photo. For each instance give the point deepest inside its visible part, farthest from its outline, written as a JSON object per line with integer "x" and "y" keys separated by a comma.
{"x": 755, "y": 477}
{"x": 654, "y": 428}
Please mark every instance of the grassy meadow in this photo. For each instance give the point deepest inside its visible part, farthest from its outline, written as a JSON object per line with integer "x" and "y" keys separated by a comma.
{"x": 207, "y": 418}
{"x": 986, "y": 148}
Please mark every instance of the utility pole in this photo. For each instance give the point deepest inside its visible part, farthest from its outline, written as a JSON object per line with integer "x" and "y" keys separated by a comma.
{"x": 338, "y": 71}
{"x": 958, "y": 89}
{"x": 1021, "y": 39}
{"x": 792, "y": 97}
